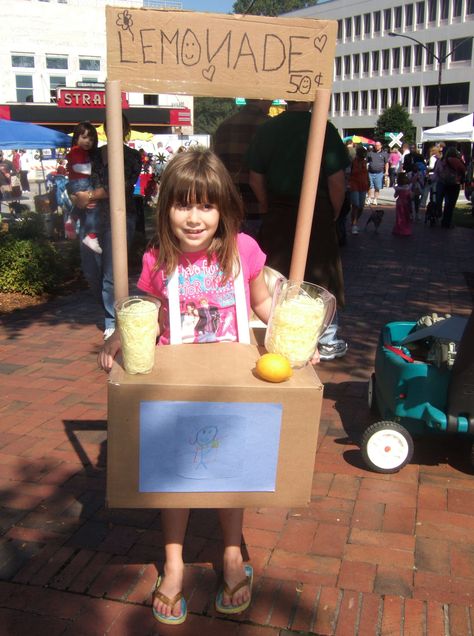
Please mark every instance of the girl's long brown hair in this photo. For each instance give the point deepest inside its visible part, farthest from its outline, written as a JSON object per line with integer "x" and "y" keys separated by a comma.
{"x": 198, "y": 176}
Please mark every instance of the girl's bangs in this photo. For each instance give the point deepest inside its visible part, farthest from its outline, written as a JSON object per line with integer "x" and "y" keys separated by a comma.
{"x": 198, "y": 187}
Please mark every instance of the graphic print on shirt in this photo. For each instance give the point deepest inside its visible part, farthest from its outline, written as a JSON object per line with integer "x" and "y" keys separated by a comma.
{"x": 207, "y": 308}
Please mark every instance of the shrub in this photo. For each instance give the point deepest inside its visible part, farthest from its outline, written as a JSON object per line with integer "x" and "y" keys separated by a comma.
{"x": 30, "y": 267}
{"x": 29, "y": 226}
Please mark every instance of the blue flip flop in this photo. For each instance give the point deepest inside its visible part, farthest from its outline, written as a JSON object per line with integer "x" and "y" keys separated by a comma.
{"x": 235, "y": 609}
{"x": 171, "y": 602}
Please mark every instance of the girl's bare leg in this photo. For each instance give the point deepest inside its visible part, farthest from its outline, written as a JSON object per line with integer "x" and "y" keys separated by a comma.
{"x": 231, "y": 520}
{"x": 174, "y": 523}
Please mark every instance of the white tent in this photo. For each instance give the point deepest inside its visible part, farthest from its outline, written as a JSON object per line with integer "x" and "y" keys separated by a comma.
{"x": 459, "y": 130}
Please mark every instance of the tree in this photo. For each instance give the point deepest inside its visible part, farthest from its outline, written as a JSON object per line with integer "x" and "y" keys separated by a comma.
{"x": 395, "y": 119}
{"x": 270, "y": 7}
{"x": 209, "y": 112}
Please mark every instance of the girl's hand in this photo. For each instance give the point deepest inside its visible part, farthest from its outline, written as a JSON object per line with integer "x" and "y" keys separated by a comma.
{"x": 315, "y": 359}
{"x": 110, "y": 349}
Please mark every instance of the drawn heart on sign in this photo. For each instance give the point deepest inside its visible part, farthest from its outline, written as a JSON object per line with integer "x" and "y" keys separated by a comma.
{"x": 208, "y": 73}
{"x": 320, "y": 42}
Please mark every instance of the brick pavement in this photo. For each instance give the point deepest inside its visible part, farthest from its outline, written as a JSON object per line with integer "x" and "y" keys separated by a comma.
{"x": 372, "y": 554}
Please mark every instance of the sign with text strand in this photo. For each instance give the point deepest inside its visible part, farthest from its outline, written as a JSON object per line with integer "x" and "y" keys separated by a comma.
{"x": 219, "y": 55}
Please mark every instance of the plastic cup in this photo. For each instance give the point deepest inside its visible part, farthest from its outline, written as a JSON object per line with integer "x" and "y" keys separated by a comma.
{"x": 137, "y": 321}
{"x": 300, "y": 314}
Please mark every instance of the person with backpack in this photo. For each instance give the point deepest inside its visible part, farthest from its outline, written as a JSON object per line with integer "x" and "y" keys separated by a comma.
{"x": 449, "y": 173}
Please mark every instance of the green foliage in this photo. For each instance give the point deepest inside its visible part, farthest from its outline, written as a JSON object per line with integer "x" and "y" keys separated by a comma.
{"x": 209, "y": 112}
{"x": 395, "y": 119}
{"x": 29, "y": 226}
{"x": 270, "y": 7}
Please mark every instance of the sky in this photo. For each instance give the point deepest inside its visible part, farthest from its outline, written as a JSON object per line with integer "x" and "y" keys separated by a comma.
{"x": 209, "y": 6}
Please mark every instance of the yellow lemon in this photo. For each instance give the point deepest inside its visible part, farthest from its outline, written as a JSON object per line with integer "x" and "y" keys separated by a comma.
{"x": 273, "y": 367}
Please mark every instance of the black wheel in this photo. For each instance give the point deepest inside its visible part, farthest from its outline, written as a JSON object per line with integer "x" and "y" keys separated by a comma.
{"x": 371, "y": 399}
{"x": 386, "y": 447}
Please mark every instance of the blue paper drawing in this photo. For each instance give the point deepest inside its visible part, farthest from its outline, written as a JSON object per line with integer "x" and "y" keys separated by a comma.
{"x": 209, "y": 446}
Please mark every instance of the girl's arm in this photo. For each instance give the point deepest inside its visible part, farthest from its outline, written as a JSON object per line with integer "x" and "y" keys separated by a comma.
{"x": 260, "y": 299}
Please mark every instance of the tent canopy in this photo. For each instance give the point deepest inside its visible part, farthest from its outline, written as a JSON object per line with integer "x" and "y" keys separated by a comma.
{"x": 18, "y": 134}
{"x": 459, "y": 130}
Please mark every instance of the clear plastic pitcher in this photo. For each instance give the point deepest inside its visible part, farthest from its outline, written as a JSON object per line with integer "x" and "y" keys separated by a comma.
{"x": 137, "y": 321}
{"x": 300, "y": 314}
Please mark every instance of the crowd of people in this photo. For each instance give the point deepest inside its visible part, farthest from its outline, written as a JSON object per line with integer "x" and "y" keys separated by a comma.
{"x": 429, "y": 184}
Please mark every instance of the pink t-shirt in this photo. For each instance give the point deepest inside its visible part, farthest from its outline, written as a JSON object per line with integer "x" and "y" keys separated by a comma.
{"x": 207, "y": 308}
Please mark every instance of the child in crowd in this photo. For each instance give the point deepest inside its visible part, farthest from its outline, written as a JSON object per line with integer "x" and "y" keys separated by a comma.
{"x": 403, "y": 196}
{"x": 197, "y": 237}
{"x": 79, "y": 168}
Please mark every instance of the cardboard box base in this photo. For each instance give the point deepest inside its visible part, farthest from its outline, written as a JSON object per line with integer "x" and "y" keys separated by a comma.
{"x": 221, "y": 372}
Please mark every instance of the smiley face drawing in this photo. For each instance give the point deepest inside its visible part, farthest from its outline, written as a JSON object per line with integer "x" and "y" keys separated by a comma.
{"x": 190, "y": 49}
{"x": 204, "y": 443}
{"x": 305, "y": 85}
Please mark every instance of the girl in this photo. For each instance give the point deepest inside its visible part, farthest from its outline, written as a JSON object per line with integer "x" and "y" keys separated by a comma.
{"x": 402, "y": 225}
{"x": 199, "y": 214}
{"x": 79, "y": 168}
{"x": 417, "y": 184}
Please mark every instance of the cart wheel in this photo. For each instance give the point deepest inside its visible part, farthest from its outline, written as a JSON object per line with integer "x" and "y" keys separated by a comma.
{"x": 371, "y": 401}
{"x": 386, "y": 447}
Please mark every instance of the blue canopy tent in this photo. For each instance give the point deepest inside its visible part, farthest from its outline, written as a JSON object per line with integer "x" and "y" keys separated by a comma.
{"x": 19, "y": 134}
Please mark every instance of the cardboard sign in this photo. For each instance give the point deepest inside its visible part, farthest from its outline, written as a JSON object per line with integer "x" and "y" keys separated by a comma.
{"x": 218, "y": 55}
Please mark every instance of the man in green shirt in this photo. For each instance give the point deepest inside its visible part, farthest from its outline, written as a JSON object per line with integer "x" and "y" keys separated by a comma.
{"x": 276, "y": 159}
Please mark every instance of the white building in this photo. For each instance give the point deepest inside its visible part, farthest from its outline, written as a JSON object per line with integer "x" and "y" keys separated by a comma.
{"x": 49, "y": 43}
{"x": 373, "y": 70}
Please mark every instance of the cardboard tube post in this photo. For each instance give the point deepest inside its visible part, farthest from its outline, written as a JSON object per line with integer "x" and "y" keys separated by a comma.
{"x": 117, "y": 187}
{"x": 309, "y": 185}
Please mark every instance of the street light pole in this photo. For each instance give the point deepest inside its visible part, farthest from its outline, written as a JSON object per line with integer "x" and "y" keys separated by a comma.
{"x": 440, "y": 61}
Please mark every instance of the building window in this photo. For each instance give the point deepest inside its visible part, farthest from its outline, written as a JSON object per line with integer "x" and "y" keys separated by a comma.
{"x": 365, "y": 62}
{"x": 409, "y": 15}
{"x": 430, "y": 50}
{"x": 54, "y": 82}
{"x": 339, "y": 29}
{"x": 337, "y": 102}
{"x": 89, "y": 64}
{"x": 23, "y": 61}
{"x": 355, "y": 101}
{"x": 442, "y": 49}
{"x": 444, "y": 11}
{"x": 356, "y": 64}
{"x": 150, "y": 100}
{"x": 398, "y": 17}
{"x": 367, "y": 23}
{"x": 375, "y": 61}
{"x": 451, "y": 95}
{"x": 347, "y": 65}
{"x": 405, "y": 96}
{"x": 24, "y": 88}
{"x": 374, "y": 100}
{"x": 377, "y": 21}
{"x": 365, "y": 99}
{"x": 56, "y": 62}
{"x": 357, "y": 27}
{"x": 418, "y": 55}
{"x": 415, "y": 96}
{"x": 348, "y": 27}
{"x": 396, "y": 59}
{"x": 345, "y": 100}
{"x": 420, "y": 12}
{"x": 387, "y": 19}
{"x": 385, "y": 59}
{"x": 457, "y": 8}
{"x": 337, "y": 66}
{"x": 406, "y": 56}
{"x": 384, "y": 98}
{"x": 394, "y": 95}
{"x": 462, "y": 50}
{"x": 470, "y": 7}
{"x": 432, "y": 6}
